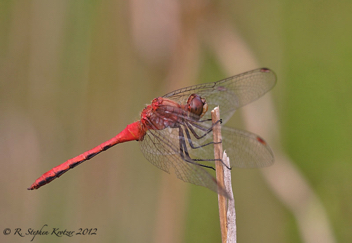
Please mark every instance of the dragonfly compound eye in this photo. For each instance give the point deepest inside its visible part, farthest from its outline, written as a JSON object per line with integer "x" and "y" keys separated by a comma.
{"x": 197, "y": 105}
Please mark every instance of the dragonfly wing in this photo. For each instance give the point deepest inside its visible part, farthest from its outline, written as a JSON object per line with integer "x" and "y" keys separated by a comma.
{"x": 230, "y": 93}
{"x": 159, "y": 148}
{"x": 245, "y": 149}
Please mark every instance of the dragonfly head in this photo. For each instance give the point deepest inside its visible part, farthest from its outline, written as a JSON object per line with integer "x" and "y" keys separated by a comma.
{"x": 197, "y": 106}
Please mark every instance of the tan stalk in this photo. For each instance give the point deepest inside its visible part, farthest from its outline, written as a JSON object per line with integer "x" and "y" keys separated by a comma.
{"x": 215, "y": 116}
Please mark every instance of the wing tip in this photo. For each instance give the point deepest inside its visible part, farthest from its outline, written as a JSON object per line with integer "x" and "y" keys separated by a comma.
{"x": 265, "y": 70}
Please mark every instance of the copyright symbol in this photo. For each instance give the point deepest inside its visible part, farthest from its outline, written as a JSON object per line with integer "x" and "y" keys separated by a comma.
{"x": 7, "y": 231}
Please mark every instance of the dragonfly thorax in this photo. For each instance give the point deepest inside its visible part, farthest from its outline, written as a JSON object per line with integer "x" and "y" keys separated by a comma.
{"x": 163, "y": 112}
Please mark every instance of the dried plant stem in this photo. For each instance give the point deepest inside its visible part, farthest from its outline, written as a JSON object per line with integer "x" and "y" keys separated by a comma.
{"x": 226, "y": 202}
{"x": 231, "y": 213}
{"x": 215, "y": 115}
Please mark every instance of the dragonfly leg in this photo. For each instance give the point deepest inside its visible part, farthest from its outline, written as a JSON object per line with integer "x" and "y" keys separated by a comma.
{"x": 210, "y": 120}
{"x": 206, "y": 130}
{"x": 184, "y": 152}
{"x": 185, "y": 155}
{"x": 194, "y": 133}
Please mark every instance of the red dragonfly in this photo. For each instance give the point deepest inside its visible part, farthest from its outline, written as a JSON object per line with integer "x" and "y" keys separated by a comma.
{"x": 175, "y": 130}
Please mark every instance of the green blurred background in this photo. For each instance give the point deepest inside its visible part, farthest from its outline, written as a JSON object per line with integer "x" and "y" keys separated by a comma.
{"x": 74, "y": 73}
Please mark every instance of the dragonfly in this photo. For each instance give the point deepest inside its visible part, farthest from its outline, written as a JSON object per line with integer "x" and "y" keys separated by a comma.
{"x": 175, "y": 131}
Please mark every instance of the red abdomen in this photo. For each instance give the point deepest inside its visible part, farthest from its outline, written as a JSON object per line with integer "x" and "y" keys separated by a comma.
{"x": 131, "y": 132}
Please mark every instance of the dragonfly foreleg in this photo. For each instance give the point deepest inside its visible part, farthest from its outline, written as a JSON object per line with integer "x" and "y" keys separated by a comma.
{"x": 206, "y": 130}
{"x": 206, "y": 120}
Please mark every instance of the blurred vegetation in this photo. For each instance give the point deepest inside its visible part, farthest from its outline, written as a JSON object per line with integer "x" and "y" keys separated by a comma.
{"x": 72, "y": 76}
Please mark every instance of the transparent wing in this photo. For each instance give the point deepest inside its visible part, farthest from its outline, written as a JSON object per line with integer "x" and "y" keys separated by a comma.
{"x": 245, "y": 149}
{"x": 161, "y": 148}
{"x": 230, "y": 93}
